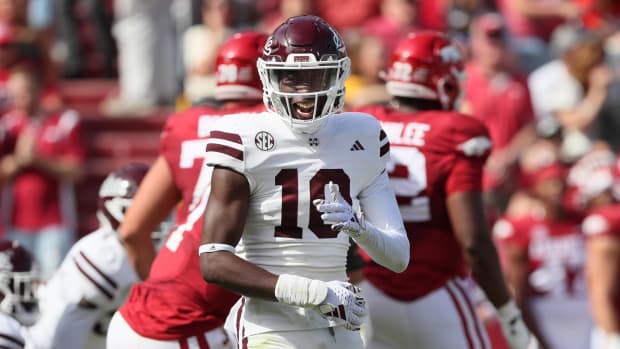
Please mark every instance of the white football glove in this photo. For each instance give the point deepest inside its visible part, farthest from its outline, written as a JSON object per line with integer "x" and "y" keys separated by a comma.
{"x": 516, "y": 333}
{"x": 333, "y": 299}
{"x": 337, "y": 212}
{"x": 344, "y": 301}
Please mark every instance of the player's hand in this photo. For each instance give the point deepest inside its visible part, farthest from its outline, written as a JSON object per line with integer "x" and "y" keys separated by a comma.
{"x": 516, "y": 333}
{"x": 344, "y": 301}
{"x": 337, "y": 212}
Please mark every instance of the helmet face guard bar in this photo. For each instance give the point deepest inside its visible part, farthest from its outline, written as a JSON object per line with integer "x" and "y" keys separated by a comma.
{"x": 320, "y": 82}
{"x": 19, "y": 295}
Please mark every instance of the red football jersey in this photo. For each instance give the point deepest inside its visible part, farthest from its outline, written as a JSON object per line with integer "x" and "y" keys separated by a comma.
{"x": 174, "y": 302}
{"x": 555, "y": 251}
{"x": 433, "y": 154}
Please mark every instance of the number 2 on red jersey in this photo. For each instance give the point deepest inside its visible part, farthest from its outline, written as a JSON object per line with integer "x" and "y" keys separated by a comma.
{"x": 407, "y": 171}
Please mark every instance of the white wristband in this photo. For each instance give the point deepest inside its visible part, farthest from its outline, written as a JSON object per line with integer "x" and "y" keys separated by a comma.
{"x": 508, "y": 311}
{"x": 208, "y": 248}
{"x": 300, "y": 291}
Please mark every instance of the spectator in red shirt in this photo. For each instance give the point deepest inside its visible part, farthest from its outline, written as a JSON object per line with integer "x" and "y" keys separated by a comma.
{"x": 42, "y": 158}
{"x": 491, "y": 78}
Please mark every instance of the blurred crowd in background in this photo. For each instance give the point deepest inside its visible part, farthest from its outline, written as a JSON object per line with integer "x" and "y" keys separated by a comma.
{"x": 543, "y": 75}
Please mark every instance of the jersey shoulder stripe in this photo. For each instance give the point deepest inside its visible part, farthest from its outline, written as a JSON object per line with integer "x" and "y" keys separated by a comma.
{"x": 226, "y": 144}
{"x": 384, "y": 147}
{"x": 10, "y": 342}
{"x": 232, "y": 137}
{"x": 107, "y": 278}
{"x": 226, "y": 150}
{"x": 105, "y": 284}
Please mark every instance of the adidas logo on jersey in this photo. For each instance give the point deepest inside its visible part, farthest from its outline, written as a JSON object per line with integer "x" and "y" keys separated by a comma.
{"x": 357, "y": 146}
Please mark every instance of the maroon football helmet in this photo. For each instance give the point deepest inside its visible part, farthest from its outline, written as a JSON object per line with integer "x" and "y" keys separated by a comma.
{"x": 427, "y": 65}
{"x": 303, "y": 69}
{"x": 117, "y": 191}
{"x": 18, "y": 280}
{"x": 235, "y": 67}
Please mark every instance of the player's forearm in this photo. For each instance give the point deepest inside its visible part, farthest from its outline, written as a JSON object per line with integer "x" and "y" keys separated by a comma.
{"x": 484, "y": 262}
{"x": 385, "y": 238}
{"x": 532, "y": 323}
{"x": 153, "y": 202}
{"x": 604, "y": 311}
{"x": 605, "y": 315}
{"x": 235, "y": 274}
{"x": 387, "y": 247}
{"x": 140, "y": 253}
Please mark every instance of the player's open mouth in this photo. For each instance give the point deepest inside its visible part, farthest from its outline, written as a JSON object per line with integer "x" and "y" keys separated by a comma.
{"x": 304, "y": 109}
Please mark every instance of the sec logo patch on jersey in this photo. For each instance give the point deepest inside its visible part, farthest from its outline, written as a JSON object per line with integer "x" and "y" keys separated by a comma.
{"x": 264, "y": 141}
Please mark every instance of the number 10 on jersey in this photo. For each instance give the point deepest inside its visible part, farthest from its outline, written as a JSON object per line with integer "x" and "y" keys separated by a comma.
{"x": 288, "y": 179}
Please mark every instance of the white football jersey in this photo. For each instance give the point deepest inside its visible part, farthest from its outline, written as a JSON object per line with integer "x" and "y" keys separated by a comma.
{"x": 286, "y": 171}
{"x": 95, "y": 270}
{"x": 10, "y": 333}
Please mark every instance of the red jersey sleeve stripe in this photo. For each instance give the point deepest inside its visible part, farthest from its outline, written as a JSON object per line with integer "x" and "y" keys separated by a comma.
{"x": 12, "y": 339}
{"x": 384, "y": 149}
{"x": 103, "y": 275}
{"x": 107, "y": 293}
{"x": 224, "y": 149}
{"x": 231, "y": 137}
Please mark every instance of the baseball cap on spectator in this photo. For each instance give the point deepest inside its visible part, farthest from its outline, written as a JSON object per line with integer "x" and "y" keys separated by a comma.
{"x": 490, "y": 24}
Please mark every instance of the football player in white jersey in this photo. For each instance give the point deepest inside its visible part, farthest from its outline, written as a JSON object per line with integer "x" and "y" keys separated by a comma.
{"x": 289, "y": 187}
{"x": 94, "y": 278}
{"x": 18, "y": 303}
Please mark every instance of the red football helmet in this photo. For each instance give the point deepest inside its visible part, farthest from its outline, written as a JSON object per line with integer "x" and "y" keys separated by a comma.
{"x": 116, "y": 193}
{"x": 427, "y": 65}
{"x": 18, "y": 280}
{"x": 303, "y": 69}
{"x": 235, "y": 67}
